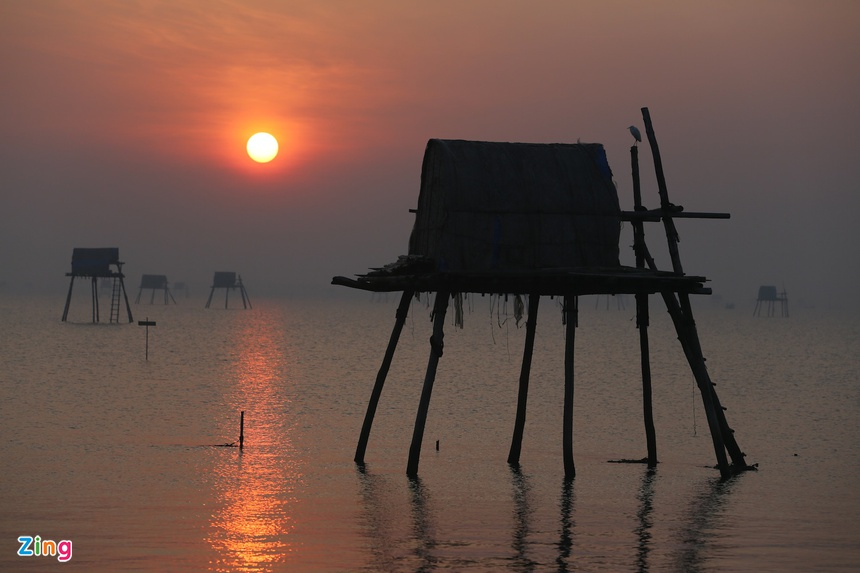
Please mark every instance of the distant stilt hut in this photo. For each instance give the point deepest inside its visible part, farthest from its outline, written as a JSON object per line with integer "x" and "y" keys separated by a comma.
{"x": 154, "y": 283}
{"x": 535, "y": 220}
{"x": 768, "y": 297}
{"x": 229, "y": 281}
{"x": 620, "y": 302}
{"x": 96, "y": 264}
{"x": 183, "y": 287}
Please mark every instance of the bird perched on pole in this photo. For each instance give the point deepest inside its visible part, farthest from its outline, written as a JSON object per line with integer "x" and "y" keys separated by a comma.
{"x": 634, "y": 131}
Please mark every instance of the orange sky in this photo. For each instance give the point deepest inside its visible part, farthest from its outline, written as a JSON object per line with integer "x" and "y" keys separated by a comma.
{"x": 120, "y": 118}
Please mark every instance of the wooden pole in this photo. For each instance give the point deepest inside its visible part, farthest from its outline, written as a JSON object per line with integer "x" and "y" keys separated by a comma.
{"x": 665, "y": 205}
{"x": 685, "y": 325}
{"x": 246, "y": 300}
{"x": 522, "y": 397}
{"x": 400, "y": 319}
{"x": 689, "y": 342}
{"x": 642, "y": 320}
{"x": 570, "y": 312}
{"x": 642, "y": 316}
{"x": 726, "y": 433}
{"x": 690, "y": 339}
{"x": 125, "y": 298}
{"x": 242, "y": 430}
{"x": 440, "y": 307}
{"x": 68, "y": 299}
{"x": 95, "y": 291}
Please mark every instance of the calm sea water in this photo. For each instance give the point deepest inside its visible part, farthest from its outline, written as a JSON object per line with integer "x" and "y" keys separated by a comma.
{"x": 118, "y": 454}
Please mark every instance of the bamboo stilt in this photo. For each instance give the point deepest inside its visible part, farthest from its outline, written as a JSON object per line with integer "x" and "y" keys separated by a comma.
{"x": 436, "y": 345}
{"x": 690, "y": 339}
{"x": 402, "y": 311}
{"x": 522, "y": 397}
{"x": 668, "y": 223}
{"x": 68, "y": 299}
{"x": 642, "y": 320}
{"x": 95, "y": 295}
{"x": 570, "y": 313}
{"x": 682, "y": 316}
{"x": 642, "y": 317}
{"x": 125, "y": 298}
{"x": 726, "y": 432}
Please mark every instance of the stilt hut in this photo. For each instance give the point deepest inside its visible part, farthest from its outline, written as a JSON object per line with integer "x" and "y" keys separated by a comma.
{"x": 229, "y": 281}
{"x": 154, "y": 283}
{"x": 767, "y": 299}
{"x": 96, "y": 264}
{"x": 181, "y": 286}
{"x": 536, "y": 220}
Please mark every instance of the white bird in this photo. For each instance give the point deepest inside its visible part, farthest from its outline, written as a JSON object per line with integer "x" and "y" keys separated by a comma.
{"x": 634, "y": 131}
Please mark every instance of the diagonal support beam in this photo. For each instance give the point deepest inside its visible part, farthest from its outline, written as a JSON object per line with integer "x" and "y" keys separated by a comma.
{"x": 400, "y": 319}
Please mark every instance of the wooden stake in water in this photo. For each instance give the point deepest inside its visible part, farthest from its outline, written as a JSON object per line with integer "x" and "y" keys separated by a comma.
{"x": 147, "y": 323}
{"x": 242, "y": 429}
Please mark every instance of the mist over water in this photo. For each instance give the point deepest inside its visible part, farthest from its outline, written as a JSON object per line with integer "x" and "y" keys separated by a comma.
{"x": 123, "y": 456}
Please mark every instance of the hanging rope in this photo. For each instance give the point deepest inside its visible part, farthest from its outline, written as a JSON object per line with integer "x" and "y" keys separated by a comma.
{"x": 519, "y": 309}
{"x": 694, "y": 409}
{"x": 458, "y": 309}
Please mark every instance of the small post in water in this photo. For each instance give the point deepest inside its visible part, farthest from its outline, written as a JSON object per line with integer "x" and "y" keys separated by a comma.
{"x": 147, "y": 323}
{"x": 242, "y": 429}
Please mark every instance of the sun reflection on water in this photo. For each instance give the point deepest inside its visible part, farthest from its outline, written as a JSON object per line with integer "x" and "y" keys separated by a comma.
{"x": 255, "y": 488}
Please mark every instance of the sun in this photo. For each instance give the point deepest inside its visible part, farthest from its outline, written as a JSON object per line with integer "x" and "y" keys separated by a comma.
{"x": 262, "y": 147}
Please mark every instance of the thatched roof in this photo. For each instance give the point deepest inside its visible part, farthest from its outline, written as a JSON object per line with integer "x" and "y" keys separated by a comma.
{"x": 517, "y": 218}
{"x": 486, "y": 206}
{"x": 94, "y": 262}
{"x": 153, "y": 281}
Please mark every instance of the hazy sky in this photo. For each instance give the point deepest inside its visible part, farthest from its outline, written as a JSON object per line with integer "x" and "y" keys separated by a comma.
{"x": 124, "y": 124}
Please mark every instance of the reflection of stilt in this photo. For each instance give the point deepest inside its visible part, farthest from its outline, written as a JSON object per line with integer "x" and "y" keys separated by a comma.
{"x": 421, "y": 524}
{"x": 643, "y": 531}
{"x": 697, "y": 535}
{"x": 565, "y": 542}
{"x": 522, "y": 514}
{"x": 378, "y": 517}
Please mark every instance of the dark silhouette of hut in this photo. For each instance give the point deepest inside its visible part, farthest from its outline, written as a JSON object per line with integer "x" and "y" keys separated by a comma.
{"x": 538, "y": 220}
{"x": 768, "y": 297}
{"x": 182, "y": 286}
{"x": 154, "y": 283}
{"x": 229, "y": 281}
{"x": 96, "y": 264}
{"x": 620, "y": 302}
